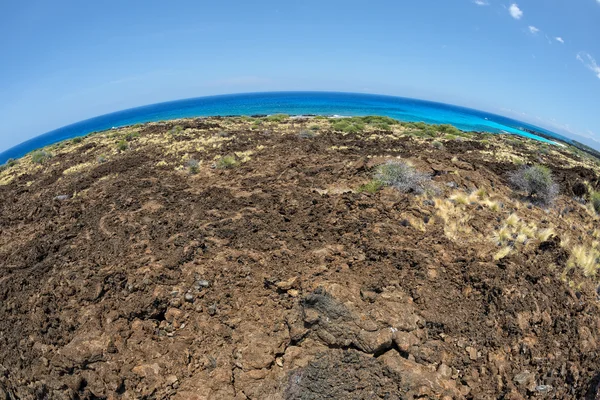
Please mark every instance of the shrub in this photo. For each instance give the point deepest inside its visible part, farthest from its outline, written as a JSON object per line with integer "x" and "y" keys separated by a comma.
{"x": 449, "y": 129}
{"x": 371, "y": 187}
{"x": 306, "y": 134}
{"x": 226, "y": 162}
{"x": 376, "y": 119}
{"x": 132, "y": 135}
{"x": 11, "y": 162}
{"x": 537, "y": 182}
{"x": 402, "y": 176}
{"x": 347, "y": 125}
{"x": 595, "y": 200}
{"x": 101, "y": 159}
{"x": 40, "y": 156}
{"x": 176, "y": 130}
{"x": 437, "y": 145}
{"x": 77, "y": 140}
{"x": 277, "y": 117}
{"x": 314, "y": 128}
{"x": 122, "y": 145}
{"x": 193, "y": 166}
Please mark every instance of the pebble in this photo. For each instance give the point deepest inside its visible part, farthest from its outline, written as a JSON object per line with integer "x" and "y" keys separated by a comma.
{"x": 62, "y": 197}
{"x": 472, "y": 353}
{"x": 188, "y": 297}
{"x": 212, "y": 310}
{"x": 202, "y": 284}
{"x": 543, "y": 388}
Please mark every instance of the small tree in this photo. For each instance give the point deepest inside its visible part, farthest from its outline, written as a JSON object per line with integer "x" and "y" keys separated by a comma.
{"x": 537, "y": 182}
{"x": 403, "y": 177}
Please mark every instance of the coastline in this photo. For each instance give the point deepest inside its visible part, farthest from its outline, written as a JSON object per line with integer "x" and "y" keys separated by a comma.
{"x": 293, "y": 103}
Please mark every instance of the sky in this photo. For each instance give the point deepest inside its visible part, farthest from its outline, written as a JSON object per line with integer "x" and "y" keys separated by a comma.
{"x": 63, "y": 61}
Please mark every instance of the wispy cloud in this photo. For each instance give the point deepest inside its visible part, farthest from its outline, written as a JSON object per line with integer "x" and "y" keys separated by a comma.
{"x": 484, "y": 2}
{"x": 533, "y": 29}
{"x": 589, "y": 61}
{"x": 515, "y": 11}
{"x": 561, "y": 40}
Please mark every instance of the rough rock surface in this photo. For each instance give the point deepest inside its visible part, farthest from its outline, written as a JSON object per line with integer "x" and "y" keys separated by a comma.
{"x": 277, "y": 279}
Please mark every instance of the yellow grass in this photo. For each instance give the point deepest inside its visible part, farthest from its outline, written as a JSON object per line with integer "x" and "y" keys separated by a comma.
{"x": 584, "y": 258}
{"x": 545, "y": 234}
{"x": 502, "y": 253}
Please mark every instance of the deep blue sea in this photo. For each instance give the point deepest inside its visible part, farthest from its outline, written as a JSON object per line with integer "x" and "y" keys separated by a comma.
{"x": 293, "y": 103}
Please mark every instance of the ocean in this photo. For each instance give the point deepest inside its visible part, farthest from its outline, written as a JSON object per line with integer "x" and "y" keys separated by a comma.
{"x": 293, "y": 103}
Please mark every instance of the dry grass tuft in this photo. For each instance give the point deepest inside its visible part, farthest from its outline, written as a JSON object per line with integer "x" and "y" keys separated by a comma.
{"x": 545, "y": 234}
{"x": 505, "y": 251}
{"x": 584, "y": 258}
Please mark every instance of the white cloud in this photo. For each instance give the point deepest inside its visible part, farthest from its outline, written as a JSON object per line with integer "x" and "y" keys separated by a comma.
{"x": 484, "y": 2}
{"x": 589, "y": 62}
{"x": 515, "y": 11}
{"x": 533, "y": 29}
{"x": 561, "y": 40}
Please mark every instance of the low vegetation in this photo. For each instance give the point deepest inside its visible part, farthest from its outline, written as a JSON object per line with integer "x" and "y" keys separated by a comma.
{"x": 277, "y": 117}
{"x": 40, "y": 156}
{"x": 227, "y": 162}
{"x": 347, "y": 125}
{"x": 536, "y": 182}
{"x": 371, "y": 187}
{"x": 306, "y": 134}
{"x": 595, "y": 201}
{"x": 193, "y": 166}
{"x": 402, "y": 176}
{"x": 176, "y": 130}
{"x": 122, "y": 145}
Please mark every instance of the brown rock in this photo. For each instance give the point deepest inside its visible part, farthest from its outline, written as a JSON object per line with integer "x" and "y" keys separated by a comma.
{"x": 417, "y": 377}
{"x": 146, "y": 370}
{"x": 173, "y": 314}
{"x": 405, "y": 340}
{"x": 287, "y": 284}
{"x": 472, "y": 352}
{"x": 374, "y": 342}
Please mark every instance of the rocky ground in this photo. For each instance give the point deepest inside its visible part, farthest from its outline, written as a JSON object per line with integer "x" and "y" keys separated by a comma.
{"x": 261, "y": 270}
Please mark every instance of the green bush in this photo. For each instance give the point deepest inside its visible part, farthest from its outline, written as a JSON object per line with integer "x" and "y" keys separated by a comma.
{"x": 595, "y": 200}
{"x": 176, "y": 130}
{"x": 537, "y": 182}
{"x": 40, "y": 156}
{"x": 402, "y": 176}
{"x": 347, "y": 125}
{"x": 11, "y": 162}
{"x": 122, "y": 145}
{"x": 193, "y": 166}
{"x": 306, "y": 134}
{"x": 227, "y": 162}
{"x": 437, "y": 145}
{"x": 277, "y": 117}
{"x": 132, "y": 135}
{"x": 371, "y": 187}
{"x": 101, "y": 159}
{"x": 449, "y": 129}
{"x": 77, "y": 140}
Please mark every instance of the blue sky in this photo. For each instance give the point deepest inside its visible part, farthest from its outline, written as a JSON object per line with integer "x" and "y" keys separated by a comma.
{"x": 64, "y": 61}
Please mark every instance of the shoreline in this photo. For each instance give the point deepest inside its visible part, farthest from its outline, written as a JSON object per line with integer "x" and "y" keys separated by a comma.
{"x": 293, "y": 103}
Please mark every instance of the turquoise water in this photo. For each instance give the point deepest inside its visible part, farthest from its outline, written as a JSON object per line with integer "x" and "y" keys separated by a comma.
{"x": 294, "y": 103}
